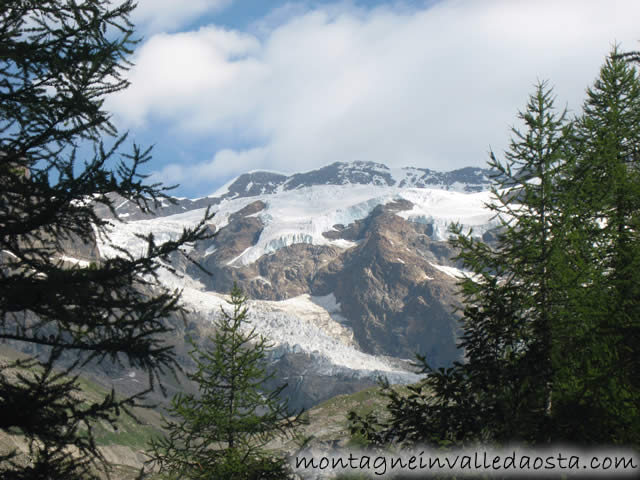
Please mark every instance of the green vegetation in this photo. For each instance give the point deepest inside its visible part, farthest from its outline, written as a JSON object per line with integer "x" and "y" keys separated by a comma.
{"x": 60, "y": 158}
{"x": 128, "y": 435}
{"x": 223, "y": 432}
{"x": 551, "y": 313}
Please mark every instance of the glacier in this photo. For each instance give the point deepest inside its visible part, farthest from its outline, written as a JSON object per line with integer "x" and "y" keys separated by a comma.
{"x": 308, "y": 324}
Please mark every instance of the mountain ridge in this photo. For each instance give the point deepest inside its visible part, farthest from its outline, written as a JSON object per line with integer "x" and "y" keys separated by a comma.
{"x": 348, "y": 268}
{"x": 261, "y": 182}
{"x": 470, "y": 179}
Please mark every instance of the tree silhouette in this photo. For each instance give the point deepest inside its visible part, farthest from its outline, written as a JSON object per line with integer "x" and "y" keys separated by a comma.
{"x": 60, "y": 159}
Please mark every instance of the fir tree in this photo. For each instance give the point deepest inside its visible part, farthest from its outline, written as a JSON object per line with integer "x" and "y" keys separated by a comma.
{"x": 603, "y": 211}
{"x": 59, "y": 59}
{"x": 503, "y": 391}
{"x": 222, "y": 432}
{"x": 552, "y": 311}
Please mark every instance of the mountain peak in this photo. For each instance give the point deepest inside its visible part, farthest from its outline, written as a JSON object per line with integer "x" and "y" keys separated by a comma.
{"x": 468, "y": 179}
{"x": 262, "y": 182}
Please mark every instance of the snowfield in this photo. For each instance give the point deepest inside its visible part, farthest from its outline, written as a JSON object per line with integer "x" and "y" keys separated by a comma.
{"x": 303, "y": 215}
{"x": 308, "y": 324}
{"x": 442, "y": 208}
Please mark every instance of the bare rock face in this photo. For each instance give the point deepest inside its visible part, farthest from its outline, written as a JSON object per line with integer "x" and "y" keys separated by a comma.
{"x": 283, "y": 274}
{"x": 391, "y": 295}
{"x": 242, "y": 232}
{"x": 399, "y": 304}
{"x": 291, "y": 270}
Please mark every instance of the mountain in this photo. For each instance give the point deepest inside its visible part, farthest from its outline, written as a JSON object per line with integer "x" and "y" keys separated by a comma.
{"x": 348, "y": 266}
{"x": 252, "y": 184}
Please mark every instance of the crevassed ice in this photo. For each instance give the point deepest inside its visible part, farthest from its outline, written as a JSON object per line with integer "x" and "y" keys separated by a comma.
{"x": 300, "y": 324}
{"x": 303, "y": 215}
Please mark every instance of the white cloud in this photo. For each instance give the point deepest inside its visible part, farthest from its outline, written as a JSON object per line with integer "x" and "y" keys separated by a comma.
{"x": 432, "y": 87}
{"x": 225, "y": 163}
{"x": 176, "y": 74}
{"x": 169, "y": 15}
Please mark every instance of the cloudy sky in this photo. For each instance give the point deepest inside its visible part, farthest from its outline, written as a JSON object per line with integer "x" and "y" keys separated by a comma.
{"x": 221, "y": 87}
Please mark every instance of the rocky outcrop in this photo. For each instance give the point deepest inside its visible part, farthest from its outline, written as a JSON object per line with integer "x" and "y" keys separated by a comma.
{"x": 399, "y": 304}
{"x": 391, "y": 295}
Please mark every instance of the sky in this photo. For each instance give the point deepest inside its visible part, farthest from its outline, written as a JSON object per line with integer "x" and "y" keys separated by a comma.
{"x": 222, "y": 87}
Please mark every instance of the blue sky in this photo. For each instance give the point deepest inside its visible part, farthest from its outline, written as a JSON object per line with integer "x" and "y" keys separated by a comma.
{"x": 221, "y": 87}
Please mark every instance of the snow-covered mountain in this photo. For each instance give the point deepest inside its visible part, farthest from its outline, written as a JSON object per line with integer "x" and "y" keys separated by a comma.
{"x": 347, "y": 266}
{"x": 356, "y": 173}
{"x": 255, "y": 183}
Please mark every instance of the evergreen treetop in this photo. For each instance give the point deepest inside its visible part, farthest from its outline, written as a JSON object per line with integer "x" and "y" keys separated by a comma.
{"x": 552, "y": 309}
{"x": 60, "y": 158}
{"x": 603, "y": 238}
{"x": 223, "y": 432}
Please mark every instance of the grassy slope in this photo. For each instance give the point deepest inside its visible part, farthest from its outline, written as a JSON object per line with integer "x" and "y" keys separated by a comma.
{"x": 122, "y": 447}
{"x": 325, "y": 426}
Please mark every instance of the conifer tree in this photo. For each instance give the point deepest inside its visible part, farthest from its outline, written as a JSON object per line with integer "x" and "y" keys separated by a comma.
{"x": 59, "y": 59}
{"x": 603, "y": 211}
{"x": 222, "y": 432}
{"x": 503, "y": 391}
{"x": 551, "y": 312}
{"x": 525, "y": 283}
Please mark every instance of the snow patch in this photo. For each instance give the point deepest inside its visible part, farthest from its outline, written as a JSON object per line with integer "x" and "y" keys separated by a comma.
{"x": 75, "y": 261}
{"x": 343, "y": 244}
{"x": 424, "y": 276}
{"x": 452, "y": 271}
{"x": 232, "y": 261}
{"x": 327, "y": 302}
{"x": 122, "y": 204}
